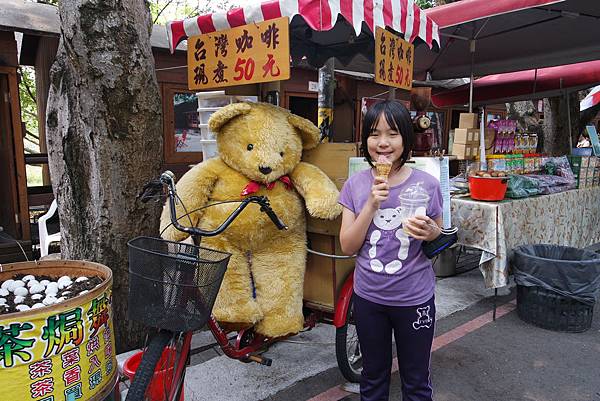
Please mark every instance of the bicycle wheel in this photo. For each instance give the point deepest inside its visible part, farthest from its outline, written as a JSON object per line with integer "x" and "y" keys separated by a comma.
{"x": 160, "y": 369}
{"x": 347, "y": 348}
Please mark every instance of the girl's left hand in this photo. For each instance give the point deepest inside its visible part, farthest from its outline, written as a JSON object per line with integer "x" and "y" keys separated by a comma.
{"x": 422, "y": 228}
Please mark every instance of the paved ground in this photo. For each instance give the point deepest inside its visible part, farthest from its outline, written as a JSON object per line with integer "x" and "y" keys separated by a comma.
{"x": 505, "y": 360}
{"x": 474, "y": 358}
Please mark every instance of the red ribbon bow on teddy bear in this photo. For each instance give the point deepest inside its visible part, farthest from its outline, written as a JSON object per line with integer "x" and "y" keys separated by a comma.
{"x": 254, "y": 186}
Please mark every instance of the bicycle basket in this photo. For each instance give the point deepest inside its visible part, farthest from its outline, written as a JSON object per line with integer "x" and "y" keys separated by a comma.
{"x": 173, "y": 285}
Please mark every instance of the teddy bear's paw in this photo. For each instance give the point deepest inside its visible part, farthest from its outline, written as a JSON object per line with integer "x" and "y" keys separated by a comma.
{"x": 324, "y": 210}
{"x": 278, "y": 326}
{"x": 234, "y": 326}
{"x": 239, "y": 313}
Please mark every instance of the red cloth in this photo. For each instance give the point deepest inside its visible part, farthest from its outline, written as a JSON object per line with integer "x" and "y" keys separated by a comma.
{"x": 254, "y": 186}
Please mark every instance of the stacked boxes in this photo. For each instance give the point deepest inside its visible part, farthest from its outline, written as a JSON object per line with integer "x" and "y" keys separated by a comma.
{"x": 325, "y": 276}
{"x": 467, "y": 120}
{"x": 466, "y": 137}
{"x": 586, "y": 170}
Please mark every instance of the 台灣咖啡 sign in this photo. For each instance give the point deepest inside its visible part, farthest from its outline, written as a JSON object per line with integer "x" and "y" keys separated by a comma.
{"x": 243, "y": 55}
{"x": 394, "y": 59}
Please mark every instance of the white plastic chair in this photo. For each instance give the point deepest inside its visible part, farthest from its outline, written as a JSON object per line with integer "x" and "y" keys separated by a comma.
{"x": 45, "y": 238}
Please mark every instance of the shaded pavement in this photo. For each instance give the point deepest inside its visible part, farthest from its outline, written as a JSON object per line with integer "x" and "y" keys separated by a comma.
{"x": 505, "y": 360}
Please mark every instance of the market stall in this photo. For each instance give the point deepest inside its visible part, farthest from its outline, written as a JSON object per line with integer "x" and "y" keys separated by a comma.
{"x": 497, "y": 227}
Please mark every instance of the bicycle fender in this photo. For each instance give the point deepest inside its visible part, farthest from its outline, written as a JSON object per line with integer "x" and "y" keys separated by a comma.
{"x": 343, "y": 302}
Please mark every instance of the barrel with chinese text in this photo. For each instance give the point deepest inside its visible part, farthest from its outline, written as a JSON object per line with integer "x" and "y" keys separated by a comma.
{"x": 65, "y": 351}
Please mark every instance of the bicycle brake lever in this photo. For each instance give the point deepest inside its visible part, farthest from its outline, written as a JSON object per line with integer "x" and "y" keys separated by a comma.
{"x": 265, "y": 206}
{"x": 150, "y": 191}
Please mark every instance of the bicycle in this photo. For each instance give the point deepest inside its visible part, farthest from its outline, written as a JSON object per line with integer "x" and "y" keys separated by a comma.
{"x": 173, "y": 287}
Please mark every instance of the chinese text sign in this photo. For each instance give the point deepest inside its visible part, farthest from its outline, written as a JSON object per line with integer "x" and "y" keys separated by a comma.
{"x": 243, "y": 55}
{"x": 61, "y": 353}
{"x": 394, "y": 58}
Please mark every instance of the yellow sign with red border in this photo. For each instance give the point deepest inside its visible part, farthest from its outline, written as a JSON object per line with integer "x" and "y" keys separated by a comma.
{"x": 59, "y": 354}
{"x": 394, "y": 60}
{"x": 243, "y": 55}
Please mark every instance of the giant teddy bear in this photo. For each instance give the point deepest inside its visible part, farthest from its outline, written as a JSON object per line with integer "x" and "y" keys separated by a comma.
{"x": 260, "y": 146}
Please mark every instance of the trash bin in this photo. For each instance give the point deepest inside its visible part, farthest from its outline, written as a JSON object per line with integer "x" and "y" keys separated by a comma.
{"x": 557, "y": 286}
{"x": 444, "y": 264}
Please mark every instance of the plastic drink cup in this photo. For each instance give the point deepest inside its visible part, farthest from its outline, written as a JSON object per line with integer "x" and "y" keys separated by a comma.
{"x": 413, "y": 202}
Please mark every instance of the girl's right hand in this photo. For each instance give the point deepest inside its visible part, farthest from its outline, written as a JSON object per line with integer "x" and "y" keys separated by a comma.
{"x": 379, "y": 192}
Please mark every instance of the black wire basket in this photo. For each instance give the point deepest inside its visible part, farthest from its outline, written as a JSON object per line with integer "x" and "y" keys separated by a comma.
{"x": 552, "y": 311}
{"x": 172, "y": 285}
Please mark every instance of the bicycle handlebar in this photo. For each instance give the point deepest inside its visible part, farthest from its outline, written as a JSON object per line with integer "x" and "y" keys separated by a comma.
{"x": 168, "y": 179}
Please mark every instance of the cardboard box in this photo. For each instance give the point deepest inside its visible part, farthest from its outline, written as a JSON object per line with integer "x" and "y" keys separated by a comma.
{"x": 466, "y": 136}
{"x": 490, "y": 138}
{"x": 325, "y": 276}
{"x": 470, "y": 136}
{"x": 468, "y": 120}
{"x": 332, "y": 158}
{"x": 464, "y": 152}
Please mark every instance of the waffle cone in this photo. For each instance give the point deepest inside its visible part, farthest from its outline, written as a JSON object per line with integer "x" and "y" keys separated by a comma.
{"x": 383, "y": 169}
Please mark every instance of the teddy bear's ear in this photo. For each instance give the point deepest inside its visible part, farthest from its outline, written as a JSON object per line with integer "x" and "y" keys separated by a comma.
{"x": 308, "y": 131}
{"x": 223, "y": 115}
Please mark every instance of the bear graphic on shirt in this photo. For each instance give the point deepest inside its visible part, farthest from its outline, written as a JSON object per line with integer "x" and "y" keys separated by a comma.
{"x": 389, "y": 225}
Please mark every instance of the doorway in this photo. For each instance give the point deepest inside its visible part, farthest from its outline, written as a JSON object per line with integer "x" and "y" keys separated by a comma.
{"x": 303, "y": 104}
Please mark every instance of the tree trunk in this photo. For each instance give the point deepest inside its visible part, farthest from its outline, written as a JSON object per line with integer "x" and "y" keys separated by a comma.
{"x": 556, "y": 124}
{"x": 104, "y": 138}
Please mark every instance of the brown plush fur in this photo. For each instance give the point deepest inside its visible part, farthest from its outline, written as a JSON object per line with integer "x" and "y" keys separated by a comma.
{"x": 274, "y": 259}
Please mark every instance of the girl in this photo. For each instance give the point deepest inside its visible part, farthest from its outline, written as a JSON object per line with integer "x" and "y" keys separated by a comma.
{"x": 393, "y": 280}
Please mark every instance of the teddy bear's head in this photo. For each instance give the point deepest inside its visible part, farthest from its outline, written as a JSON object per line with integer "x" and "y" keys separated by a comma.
{"x": 262, "y": 141}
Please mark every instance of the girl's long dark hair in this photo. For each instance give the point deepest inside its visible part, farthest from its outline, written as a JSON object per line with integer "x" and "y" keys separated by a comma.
{"x": 398, "y": 118}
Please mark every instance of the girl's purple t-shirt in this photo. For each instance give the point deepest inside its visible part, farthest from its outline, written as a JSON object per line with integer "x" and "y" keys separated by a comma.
{"x": 391, "y": 268}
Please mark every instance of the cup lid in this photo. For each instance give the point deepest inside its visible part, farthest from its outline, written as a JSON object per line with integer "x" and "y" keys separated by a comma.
{"x": 414, "y": 193}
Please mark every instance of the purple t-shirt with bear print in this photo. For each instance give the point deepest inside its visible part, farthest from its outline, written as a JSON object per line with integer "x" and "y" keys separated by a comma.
{"x": 391, "y": 269}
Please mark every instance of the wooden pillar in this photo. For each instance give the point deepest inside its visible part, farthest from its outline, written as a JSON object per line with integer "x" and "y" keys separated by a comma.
{"x": 46, "y": 52}
{"x": 12, "y": 137}
{"x": 326, "y": 92}
{"x": 8, "y": 49}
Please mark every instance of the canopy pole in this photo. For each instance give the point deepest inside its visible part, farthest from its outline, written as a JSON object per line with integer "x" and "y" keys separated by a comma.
{"x": 566, "y": 95}
{"x": 391, "y": 93}
{"x": 472, "y": 50}
{"x": 482, "y": 159}
{"x": 325, "y": 102}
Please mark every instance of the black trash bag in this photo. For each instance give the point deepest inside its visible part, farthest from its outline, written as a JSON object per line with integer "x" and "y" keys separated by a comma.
{"x": 571, "y": 272}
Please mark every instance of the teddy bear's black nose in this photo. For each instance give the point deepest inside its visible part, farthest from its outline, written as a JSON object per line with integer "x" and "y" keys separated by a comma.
{"x": 265, "y": 170}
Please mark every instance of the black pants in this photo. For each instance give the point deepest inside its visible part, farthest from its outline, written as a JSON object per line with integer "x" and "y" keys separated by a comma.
{"x": 413, "y": 328}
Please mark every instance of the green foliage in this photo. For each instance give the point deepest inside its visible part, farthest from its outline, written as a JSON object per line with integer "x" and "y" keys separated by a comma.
{"x": 163, "y": 11}
{"x": 29, "y": 108}
{"x": 423, "y": 4}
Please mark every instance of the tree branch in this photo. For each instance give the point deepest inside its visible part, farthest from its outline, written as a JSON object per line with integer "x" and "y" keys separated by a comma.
{"x": 29, "y": 113}
{"x": 162, "y": 10}
{"x": 30, "y": 135}
{"x": 31, "y": 95}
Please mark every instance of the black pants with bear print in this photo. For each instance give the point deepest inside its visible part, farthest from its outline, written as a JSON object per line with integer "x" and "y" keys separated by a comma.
{"x": 413, "y": 328}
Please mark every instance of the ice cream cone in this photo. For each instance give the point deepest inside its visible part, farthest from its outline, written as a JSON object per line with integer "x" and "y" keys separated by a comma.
{"x": 383, "y": 167}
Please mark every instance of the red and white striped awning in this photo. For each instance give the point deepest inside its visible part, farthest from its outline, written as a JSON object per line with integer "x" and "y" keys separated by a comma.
{"x": 592, "y": 99}
{"x": 403, "y": 16}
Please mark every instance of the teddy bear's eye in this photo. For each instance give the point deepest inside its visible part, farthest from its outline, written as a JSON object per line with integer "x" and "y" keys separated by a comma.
{"x": 281, "y": 154}
{"x": 250, "y": 146}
